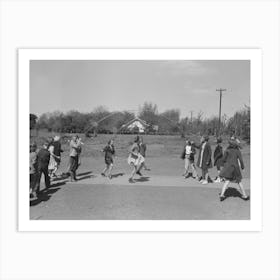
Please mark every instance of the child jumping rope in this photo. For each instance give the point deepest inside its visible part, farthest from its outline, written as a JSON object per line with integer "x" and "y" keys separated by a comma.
{"x": 135, "y": 159}
{"x": 109, "y": 151}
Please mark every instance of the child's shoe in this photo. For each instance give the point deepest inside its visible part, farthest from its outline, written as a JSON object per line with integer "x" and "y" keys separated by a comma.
{"x": 218, "y": 180}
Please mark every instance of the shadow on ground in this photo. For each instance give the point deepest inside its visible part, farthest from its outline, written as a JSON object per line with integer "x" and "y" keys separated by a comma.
{"x": 142, "y": 179}
{"x": 46, "y": 194}
{"x": 56, "y": 183}
{"x": 117, "y": 175}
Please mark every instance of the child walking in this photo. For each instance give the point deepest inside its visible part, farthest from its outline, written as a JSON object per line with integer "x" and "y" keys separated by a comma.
{"x": 43, "y": 157}
{"x": 188, "y": 155}
{"x": 109, "y": 151}
{"x": 204, "y": 159}
{"x": 33, "y": 170}
{"x": 231, "y": 172}
{"x": 218, "y": 159}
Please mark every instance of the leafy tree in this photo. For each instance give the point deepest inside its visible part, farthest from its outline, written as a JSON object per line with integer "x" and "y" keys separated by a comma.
{"x": 103, "y": 121}
{"x": 169, "y": 121}
{"x": 149, "y": 113}
{"x": 32, "y": 120}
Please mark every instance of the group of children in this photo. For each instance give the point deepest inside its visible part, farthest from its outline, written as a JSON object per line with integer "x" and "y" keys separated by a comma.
{"x": 228, "y": 164}
{"x": 47, "y": 161}
{"x": 136, "y": 158}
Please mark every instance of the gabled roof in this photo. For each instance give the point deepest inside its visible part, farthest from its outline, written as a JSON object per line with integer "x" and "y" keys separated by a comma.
{"x": 134, "y": 120}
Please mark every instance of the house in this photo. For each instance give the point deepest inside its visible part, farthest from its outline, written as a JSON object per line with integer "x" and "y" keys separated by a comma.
{"x": 135, "y": 126}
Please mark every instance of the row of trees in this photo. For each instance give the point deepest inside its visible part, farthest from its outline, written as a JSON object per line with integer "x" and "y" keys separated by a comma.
{"x": 101, "y": 120}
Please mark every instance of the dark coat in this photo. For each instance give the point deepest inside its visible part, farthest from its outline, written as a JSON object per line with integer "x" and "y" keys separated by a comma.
{"x": 206, "y": 157}
{"x": 193, "y": 151}
{"x": 109, "y": 152}
{"x": 142, "y": 149}
{"x": 231, "y": 170}
{"x": 43, "y": 158}
{"x": 218, "y": 156}
{"x": 57, "y": 148}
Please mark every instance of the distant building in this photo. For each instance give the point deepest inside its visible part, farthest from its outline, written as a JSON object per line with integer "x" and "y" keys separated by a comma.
{"x": 135, "y": 126}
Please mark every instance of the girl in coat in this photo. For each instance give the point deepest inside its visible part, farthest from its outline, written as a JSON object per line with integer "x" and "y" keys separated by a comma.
{"x": 231, "y": 170}
{"x": 204, "y": 160}
{"x": 109, "y": 151}
{"x": 218, "y": 158}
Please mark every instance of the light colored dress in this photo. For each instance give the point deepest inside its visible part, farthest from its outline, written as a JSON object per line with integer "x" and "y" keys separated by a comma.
{"x": 52, "y": 162}
{"x": 135, "y": 158}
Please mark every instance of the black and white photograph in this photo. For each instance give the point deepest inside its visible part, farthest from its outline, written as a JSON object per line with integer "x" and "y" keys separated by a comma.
{"x": 140, "y": 139}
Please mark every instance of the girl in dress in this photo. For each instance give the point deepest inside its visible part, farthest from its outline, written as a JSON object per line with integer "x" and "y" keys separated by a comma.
{"x": 135, "y": 159}
{"x": 52, "y": 163}
{"x": 231, "y": 170}
{"x": 204, "y": 159}
{"x": 109, "y": 151}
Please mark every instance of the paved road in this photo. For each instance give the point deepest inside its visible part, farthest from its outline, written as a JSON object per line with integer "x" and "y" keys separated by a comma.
{"x": 150, "y": 197}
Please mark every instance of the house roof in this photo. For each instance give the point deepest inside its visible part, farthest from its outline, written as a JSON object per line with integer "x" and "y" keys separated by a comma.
{"x": 134, "y": 120}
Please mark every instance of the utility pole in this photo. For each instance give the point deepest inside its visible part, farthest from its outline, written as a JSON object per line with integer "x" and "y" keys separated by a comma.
{"x": 220, "y": 109}
{"x": 191, "y": 121}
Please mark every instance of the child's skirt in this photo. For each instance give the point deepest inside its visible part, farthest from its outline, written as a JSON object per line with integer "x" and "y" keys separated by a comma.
{"x": 52, "y": 163}
{"x": 135, "y": 160}
{"x": 231, "y": 173}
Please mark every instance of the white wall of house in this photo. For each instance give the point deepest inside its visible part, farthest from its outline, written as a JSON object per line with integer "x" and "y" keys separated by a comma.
{"x": 138, "y": 124}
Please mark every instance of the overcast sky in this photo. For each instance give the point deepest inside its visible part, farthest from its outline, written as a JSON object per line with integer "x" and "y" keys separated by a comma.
{"x": 125, "y": 85}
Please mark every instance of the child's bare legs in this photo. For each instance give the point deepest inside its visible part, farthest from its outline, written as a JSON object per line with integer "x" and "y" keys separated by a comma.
{"x": 134, "y": 170}
{"x": 205, "y": 176}
{"x": 240, "y": 185}
{"x": 194, "y": 173}
{"x": 51, "y": 173}
{"x": 110, "y": 170}
{"x": 55, "y": 169}
{"x": 103, "y": 173}
{"x": 186, "y": 167}
{"x": 145, "y": 166}
{"x": 140, "y": 166}
{"x": 225, "y": 186}
{"x": 218, "y": 179}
